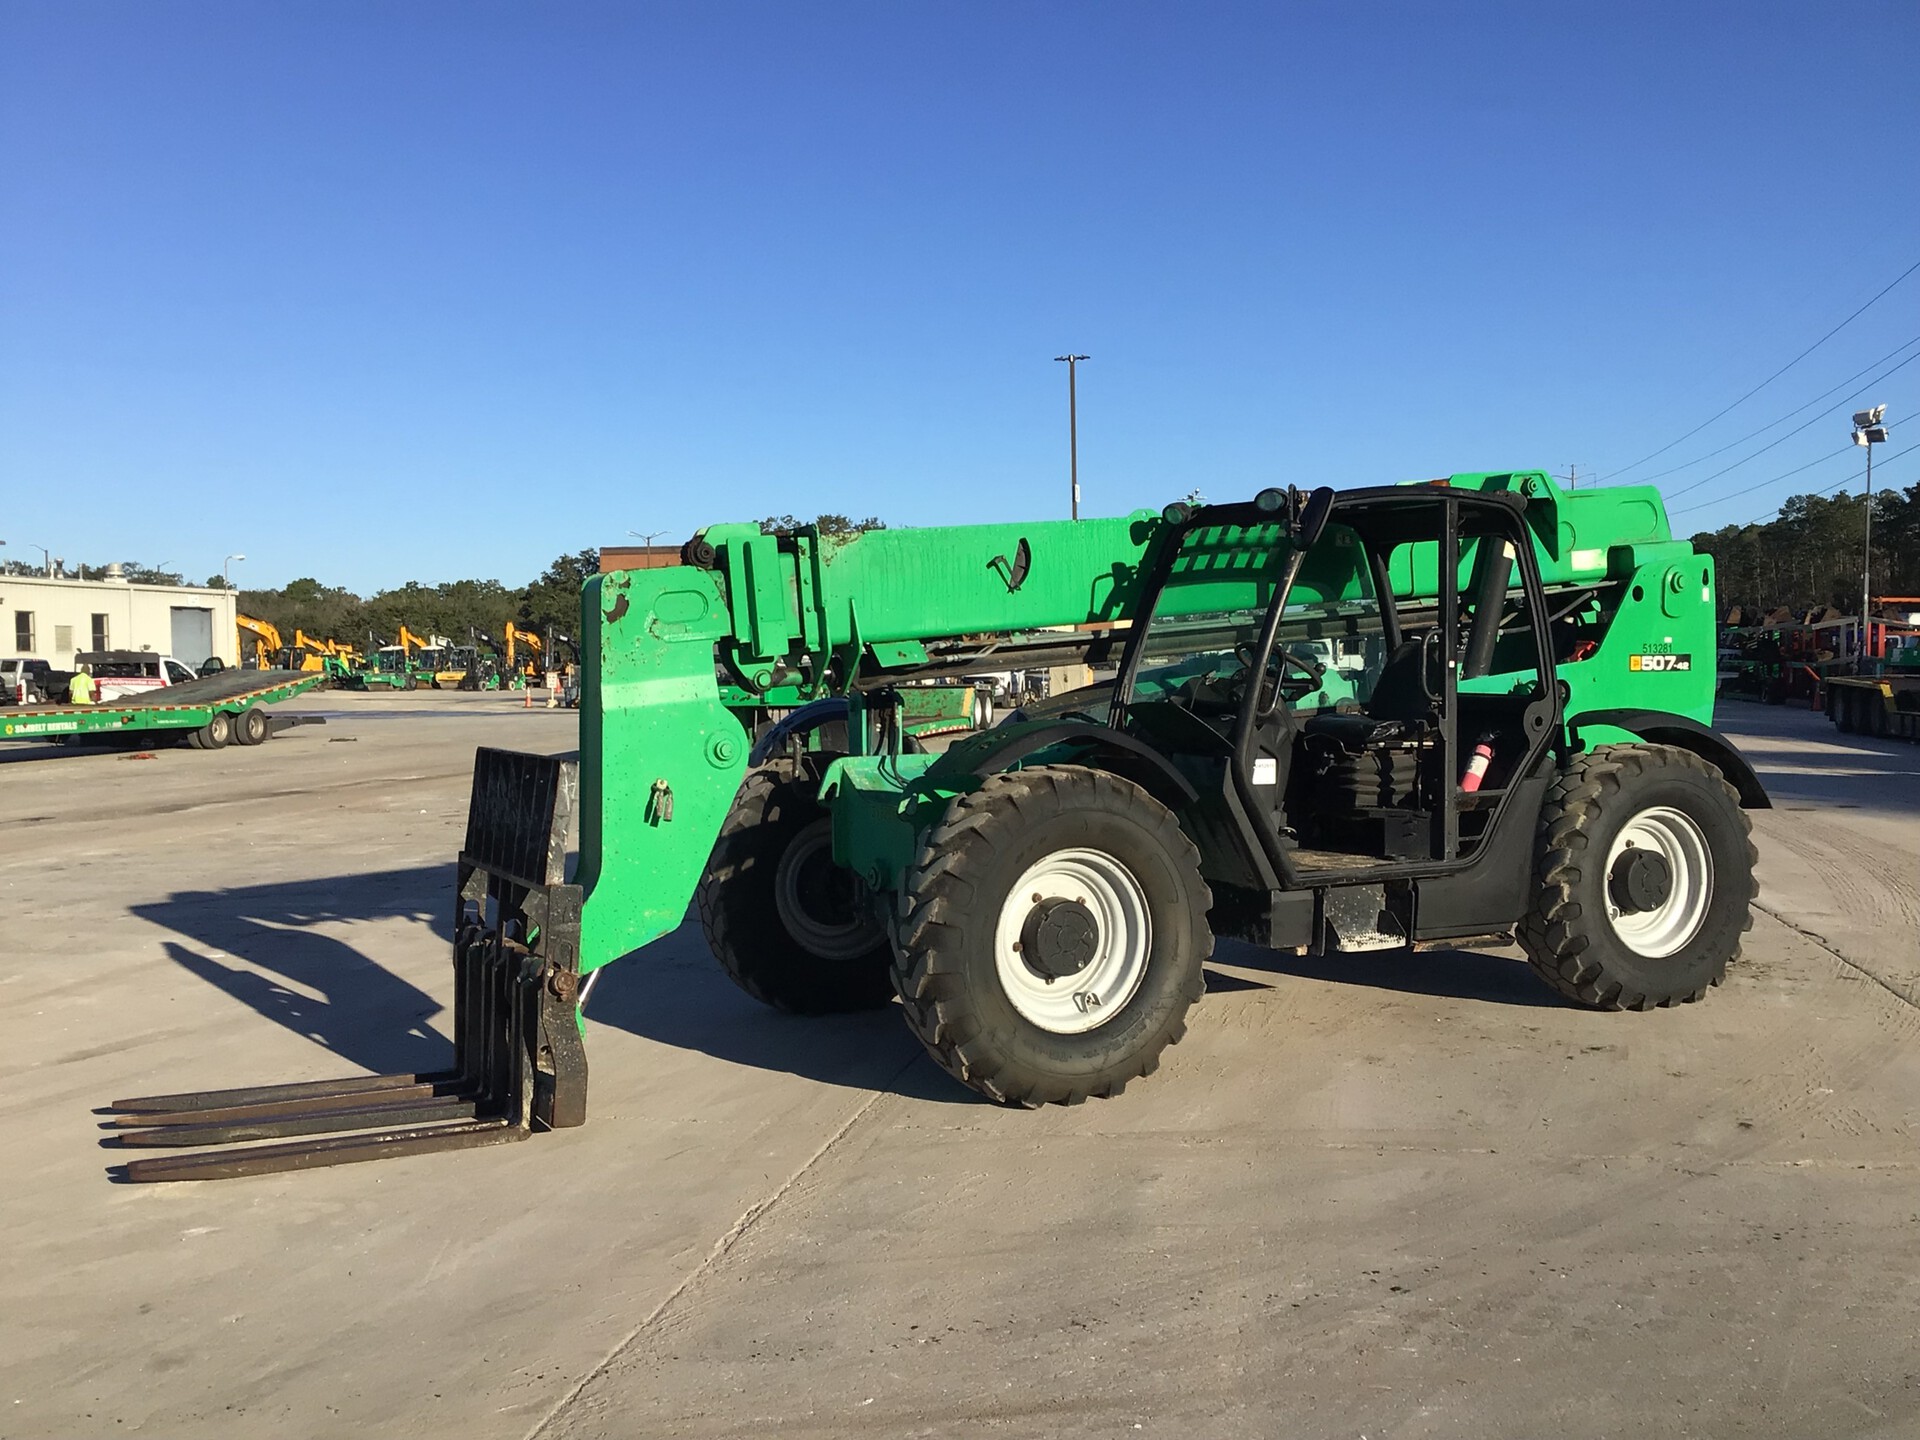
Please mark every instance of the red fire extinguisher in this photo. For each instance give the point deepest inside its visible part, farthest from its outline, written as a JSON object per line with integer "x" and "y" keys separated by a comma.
{"x": 1477, "y": 763}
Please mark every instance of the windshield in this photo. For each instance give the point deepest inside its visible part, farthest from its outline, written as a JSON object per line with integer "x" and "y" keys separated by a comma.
{"x": 1206, "y": 621}
{"x": 1208, "y": 614}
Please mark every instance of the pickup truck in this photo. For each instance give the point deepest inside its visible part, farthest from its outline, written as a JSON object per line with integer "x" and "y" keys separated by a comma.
{"x": 120, "y": 673}
{"x": 26, "y": 681}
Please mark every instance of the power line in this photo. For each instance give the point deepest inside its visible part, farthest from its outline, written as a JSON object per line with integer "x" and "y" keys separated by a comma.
{"x": 1860, "y": 474}
{"x": 1771, "y": 378}
{"x": 1735, "y": 495}
{"x": 1857, "y": 475}
{"x": 1871, "y": 384}
{"x": 1689, "y": 464}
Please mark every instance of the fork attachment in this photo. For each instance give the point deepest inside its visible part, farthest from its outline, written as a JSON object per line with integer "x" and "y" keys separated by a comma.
{"x": 518, "y": 1061}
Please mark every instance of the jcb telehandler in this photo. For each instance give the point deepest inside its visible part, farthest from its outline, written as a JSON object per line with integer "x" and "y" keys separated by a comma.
{"x": 1405, "y": 716}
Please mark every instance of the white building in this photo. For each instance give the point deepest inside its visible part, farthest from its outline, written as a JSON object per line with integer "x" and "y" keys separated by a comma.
{"x": 52, "y": 619}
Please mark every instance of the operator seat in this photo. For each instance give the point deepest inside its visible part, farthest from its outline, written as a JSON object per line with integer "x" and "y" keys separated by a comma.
{"x": 1399, "y": 708}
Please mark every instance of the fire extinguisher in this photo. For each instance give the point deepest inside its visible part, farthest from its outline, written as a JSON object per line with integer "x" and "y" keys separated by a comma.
{"x": 1477, "y": 763}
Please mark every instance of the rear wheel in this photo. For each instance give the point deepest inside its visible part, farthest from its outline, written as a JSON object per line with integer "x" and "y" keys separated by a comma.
{"x": 250, "y": 727}
{"x": 1054, "y": 933}
{"x": 793, "y": 929}
{"x": 1646, "y": 879}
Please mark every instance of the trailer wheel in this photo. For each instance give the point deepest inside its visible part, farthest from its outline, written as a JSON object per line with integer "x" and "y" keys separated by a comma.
{"x": 250, "y": 726}
{"x": 1055, "y": 925}
{"x": 792, "y": 929}
{"x": 1646, "y": 879}
{"x": 216, "y": 733}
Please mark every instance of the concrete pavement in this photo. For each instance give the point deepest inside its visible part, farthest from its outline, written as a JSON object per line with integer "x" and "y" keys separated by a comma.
{"x": 1383, "y": 1197}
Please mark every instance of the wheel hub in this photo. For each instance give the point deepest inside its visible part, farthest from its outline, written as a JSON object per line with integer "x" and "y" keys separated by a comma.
{"x": 1659, "y": 882}
{"x": 821, "y": 905}
{"x": 1641, "y": 881}
{"x": 1073, "y": 940}
{"x": 1060, "y": 938}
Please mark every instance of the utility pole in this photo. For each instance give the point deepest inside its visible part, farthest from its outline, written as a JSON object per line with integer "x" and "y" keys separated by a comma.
{"x": 1073, "y": 429}
{"x": 1868, "y": 431}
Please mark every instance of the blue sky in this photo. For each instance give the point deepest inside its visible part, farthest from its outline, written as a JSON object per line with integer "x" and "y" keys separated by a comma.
{"x": 389, "y": 291}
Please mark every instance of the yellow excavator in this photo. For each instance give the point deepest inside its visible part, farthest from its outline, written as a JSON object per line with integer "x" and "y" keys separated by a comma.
{"x": 310, "y": 654}
{"x": 521, "y": 671}
{"x": 260, "y": 643}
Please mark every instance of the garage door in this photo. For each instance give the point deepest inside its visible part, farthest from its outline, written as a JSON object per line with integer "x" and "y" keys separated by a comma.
{"x": 192, "y": 633}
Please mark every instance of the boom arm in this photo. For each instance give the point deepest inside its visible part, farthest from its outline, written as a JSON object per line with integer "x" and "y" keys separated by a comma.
{"x": 663, "y": 754}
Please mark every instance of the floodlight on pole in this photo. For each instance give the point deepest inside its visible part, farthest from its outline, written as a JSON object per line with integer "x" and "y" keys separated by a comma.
{"x": 1073, "y": 428}
{"x": 1868, "y": 431}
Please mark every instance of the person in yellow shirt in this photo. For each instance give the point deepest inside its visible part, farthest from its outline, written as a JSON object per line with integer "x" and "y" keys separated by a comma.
{"x": 80, "y": 688}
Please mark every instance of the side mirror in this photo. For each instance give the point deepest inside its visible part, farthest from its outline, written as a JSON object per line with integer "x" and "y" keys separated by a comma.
{"x": 1312, "y": 517}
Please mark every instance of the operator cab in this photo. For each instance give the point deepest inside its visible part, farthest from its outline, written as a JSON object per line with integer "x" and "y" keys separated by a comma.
{"x": 1330, "y": 729}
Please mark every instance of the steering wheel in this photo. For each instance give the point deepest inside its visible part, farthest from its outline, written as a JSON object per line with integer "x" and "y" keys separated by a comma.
{"x": 1281, "y": 686}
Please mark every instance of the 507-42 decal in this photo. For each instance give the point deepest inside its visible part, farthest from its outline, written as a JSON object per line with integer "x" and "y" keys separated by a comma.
{"x": 1659, "y": 662}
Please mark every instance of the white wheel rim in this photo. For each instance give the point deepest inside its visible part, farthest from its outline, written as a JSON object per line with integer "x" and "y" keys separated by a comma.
{"x": 830, "y": 940}
{"x": 1671, "y": 925}
{"x": 1074, "y": 1004}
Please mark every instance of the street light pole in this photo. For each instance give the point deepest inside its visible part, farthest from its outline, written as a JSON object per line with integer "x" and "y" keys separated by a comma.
{"x": 1073, "y": 429}
{"x": 647, "y": 541}
{"x": 1868, "y": 431}
{"x": 224, "y": 566}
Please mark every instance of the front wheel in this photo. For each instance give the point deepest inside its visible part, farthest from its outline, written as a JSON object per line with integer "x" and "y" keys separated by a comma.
{"x": 1646, "y": 880}
{"x": 1054, "y": 933}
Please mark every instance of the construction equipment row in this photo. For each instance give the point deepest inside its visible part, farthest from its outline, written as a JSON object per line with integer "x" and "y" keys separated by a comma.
{"x": 412, "y": 662}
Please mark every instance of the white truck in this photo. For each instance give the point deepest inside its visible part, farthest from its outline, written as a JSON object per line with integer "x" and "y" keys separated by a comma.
{"x": 118, "y": 673}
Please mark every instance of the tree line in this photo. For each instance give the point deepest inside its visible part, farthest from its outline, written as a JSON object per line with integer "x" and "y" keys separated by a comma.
{"x": 1809, "y": 554}
{"x": 456, "y": 609}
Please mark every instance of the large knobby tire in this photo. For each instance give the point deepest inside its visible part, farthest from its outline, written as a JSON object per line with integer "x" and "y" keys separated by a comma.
{"x": 794, "y": 930}
{"x": 1054, "y": 927}
{"x": 1646, "y": 880}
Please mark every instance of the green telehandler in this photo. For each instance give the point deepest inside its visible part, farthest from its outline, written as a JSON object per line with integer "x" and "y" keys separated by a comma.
{"x": 1406, "y": 716}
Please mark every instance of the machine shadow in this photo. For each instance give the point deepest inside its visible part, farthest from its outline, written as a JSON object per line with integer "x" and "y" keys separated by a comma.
{"x": 677, "y": 995}
{"x": 258, "y": 944}
{"x": 1453, "y": 974}
{"x": 319, "y": 987}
